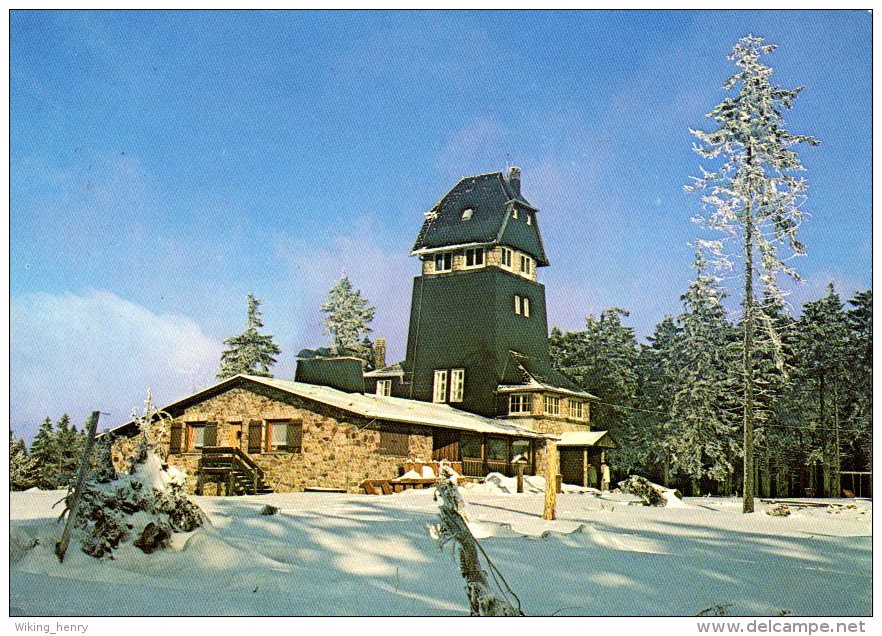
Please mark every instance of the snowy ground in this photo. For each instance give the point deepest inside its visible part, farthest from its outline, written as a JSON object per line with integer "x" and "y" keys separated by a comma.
{"x": 334, "y": 554}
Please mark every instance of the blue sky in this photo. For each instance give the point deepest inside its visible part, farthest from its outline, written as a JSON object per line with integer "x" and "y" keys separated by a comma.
{"x": 165, "y": 164}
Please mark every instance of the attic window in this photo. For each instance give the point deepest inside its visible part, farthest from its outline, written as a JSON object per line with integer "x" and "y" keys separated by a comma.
{"x": 529, "y": 219}
{"x": 467, "y": 214}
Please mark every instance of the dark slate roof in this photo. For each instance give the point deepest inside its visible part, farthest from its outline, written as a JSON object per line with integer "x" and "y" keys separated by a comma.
{"x": 491, "y": 197}
{"x": 548, "y": 377}
{"x": 344, "y": 374}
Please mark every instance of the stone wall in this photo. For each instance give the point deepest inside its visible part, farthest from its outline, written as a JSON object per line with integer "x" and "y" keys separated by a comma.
{"x": 337, "y": 450}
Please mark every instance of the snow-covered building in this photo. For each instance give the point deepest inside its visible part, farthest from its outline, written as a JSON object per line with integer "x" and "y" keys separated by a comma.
{"x": 477, "y": 387}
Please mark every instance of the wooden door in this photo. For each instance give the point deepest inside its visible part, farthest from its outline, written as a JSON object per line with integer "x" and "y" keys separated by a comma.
{"x": 571, "y": 466}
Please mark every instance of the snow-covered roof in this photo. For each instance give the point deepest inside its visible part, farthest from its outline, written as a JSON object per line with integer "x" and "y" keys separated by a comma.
{"x": 587, "y": 438}
{"x": 390, "y": 371}
{"x": 379, "y": 407}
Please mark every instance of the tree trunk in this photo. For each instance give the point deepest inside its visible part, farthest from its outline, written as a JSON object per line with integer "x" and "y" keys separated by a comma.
{"x": 835, "y": 482}
{"x": 748, "y": 349}
{"x": 550, "y": 481}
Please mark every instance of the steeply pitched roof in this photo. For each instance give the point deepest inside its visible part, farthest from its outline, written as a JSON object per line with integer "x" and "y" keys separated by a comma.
{"x": 379, "y": 407}
{"x": 533, "y": 374}
{"x": 491, "y": 198}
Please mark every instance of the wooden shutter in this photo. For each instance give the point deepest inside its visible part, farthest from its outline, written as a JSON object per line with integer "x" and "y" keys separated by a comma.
{"x": 295, "y": 436}
{"x": 176, "y": 442}
{"x": 210, "y": 434}
{"x": 254, "y": 437}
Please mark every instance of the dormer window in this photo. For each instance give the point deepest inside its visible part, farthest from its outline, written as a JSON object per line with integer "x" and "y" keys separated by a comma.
{"x": 514, "y": 213}
{"x": 467, "y": 214}
{"x": 474, "y": 257}
{"x": 529, "y": 219}
{"x": 443, "y": 262}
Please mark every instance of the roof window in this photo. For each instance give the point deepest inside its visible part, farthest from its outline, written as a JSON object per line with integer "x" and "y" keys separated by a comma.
{"x": 467, "y": 214}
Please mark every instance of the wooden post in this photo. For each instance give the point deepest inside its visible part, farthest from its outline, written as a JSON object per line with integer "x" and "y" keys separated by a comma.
{"x": 558, "y": 483}
{"x": 550, "y": 481}
{"x": 520, "y": 477}
{"x": 91, "y": 427}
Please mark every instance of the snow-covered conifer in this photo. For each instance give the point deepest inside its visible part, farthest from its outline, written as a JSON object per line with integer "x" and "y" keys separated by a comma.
{"x": 753, "y": 197}
{"x": 347, "y": 320}
{"x": 250, "y": 352}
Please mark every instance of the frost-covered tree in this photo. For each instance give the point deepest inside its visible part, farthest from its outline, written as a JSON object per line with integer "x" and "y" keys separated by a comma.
{"x": 45, "y": 455}
{"x": 347, "y": 320}
{"x": 641, "y": 447}
{"x": 601, "y": 359}
{"x": 859, "y": 362}
{"x": 700, "y": 435}
{"x": 21, "y": 465}
{"x": 822, "y": 343}
{"x": 753, "y": 197}
{"x": 70, "y": 443}
{"x": 250, "y": 352}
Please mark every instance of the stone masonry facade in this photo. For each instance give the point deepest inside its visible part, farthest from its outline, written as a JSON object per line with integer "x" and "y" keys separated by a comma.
{"x": 338, "y": 450}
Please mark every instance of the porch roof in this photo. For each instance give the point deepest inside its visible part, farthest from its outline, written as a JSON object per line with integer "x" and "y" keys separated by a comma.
{"x": 601, "y": 439}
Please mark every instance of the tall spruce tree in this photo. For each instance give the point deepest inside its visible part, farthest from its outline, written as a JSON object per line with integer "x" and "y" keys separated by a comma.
{"x": 642, "y": 448}
{"x": 822, "y": 351}
{"x": 251, "y": 352}
{"x": 347, "y": 320}
{"x": 700, "y": 436}
{"x": 70, "y": 443}
{"x": 753, "y": 197}
{"x": 601, "y": 359}
{"x": 859, "y": 362}
{"x": 45, "y": 455}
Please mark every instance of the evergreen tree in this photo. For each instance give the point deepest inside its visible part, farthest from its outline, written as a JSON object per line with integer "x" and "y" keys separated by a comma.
{"x": 251, "y": 352}
{"x": 859, "y": 362}
{"x": 641, "y": 445}
{"x": 21, "y": 465}
{"x": 45, "y": 455}
{"x": 822, "y": 355}
{"x": 700, "y": 437}
{"x": 70, "y": 444}
{"x": 602, "y": 360}
{"x": 753, "y": 197}
{"x": 348, "y": 316}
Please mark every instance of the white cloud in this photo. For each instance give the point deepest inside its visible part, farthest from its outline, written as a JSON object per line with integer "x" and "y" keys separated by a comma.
{"x": 78, "y": 353}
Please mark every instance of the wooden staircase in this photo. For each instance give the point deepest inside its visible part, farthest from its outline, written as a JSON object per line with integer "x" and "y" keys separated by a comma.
{"x": 230, "y": 467}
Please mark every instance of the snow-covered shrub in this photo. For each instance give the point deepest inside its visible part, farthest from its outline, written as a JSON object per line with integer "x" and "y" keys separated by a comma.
{"x": 779, "y": 510}
{"x": 652, "y": 494}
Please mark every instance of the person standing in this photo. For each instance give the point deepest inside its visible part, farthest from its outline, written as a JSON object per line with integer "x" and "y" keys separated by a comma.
{"x": 604, "y": 477}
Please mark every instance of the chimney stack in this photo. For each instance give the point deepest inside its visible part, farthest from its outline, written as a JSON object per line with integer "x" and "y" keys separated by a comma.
{"x": 379, "y": 352}
{"x": 514, "y": 180}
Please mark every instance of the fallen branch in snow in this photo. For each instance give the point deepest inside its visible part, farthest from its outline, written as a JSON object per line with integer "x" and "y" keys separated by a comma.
{"x": 719, "y": 609}
{"x": 483, "y": 599}
{"x": 652, "y": 494}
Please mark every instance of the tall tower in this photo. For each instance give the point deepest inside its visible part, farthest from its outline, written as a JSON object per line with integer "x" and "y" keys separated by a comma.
{"x": 478, "y": 327}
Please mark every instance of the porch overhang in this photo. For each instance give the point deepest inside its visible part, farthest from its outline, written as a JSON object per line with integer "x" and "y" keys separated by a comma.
{"x": 597, "y": 439}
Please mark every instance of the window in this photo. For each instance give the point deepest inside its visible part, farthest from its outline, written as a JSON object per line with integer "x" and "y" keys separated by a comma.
{"x": 506, "y": 257}
{"x": 457, "y": 384}
{"x": 443, "y": 262}
{"x": 526, "y": 265}
{"x": 497, "y": 449}
{"x": 552, "y": 405}
{"x": 577, "y": 409}
{"x": 517, "y": 302}
{"x": 519, "y": 403}
{"x": 514, "y": 213}
{"x": 384, "y": 387}
{"x": 283, "y": 435}
{"x": 394, "y": 443}
{"x": 525, "y": 306}
{"x": 474, "y": 257}
{"x": 467, "y": 214}
{"x": 440, "y": 388}
{"x": 521, "y": 448}
{"x": 470, "y": 446}
{"x": 196, "y": 435}
{"x": 529, "y": 218}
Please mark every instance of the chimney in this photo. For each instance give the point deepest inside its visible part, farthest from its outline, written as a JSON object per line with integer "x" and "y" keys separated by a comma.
{"x": 379, "y": 352}
{"x": 514, "y": 180}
